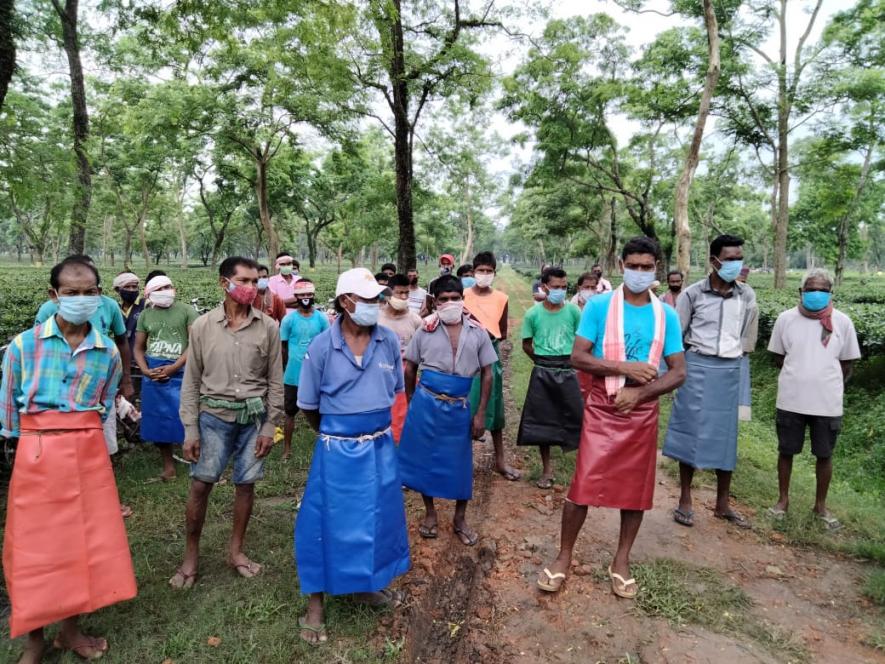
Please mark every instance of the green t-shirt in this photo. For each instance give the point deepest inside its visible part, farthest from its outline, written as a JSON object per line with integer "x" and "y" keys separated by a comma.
{"x": 552, "y": 332}
{"x": 166, "y": 330}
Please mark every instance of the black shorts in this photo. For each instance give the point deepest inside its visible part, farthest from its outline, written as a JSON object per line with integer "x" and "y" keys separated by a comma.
{"x": 290, "y": 399}
{"x": 791, "y": 433}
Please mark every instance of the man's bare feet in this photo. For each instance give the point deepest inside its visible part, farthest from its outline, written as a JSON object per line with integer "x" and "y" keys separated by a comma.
{"x": 381, "y": 599}
{"x": 510, "y": 474}
{"x": 244, "y": 566}
{"x": 125, "y": 511}
{"x": 466, "y": 534}
{"x": 313, "y": 630}
{"x": 168, "y": 474}
{"x": 185, "y": 577}
{"x": 428, "y": 527}
{"x": 33, "y": 653}
{"x": 84, "y": 646}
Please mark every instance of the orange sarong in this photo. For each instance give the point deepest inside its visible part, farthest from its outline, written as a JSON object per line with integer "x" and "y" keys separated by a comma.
{"x": 398, "y": 415}
{"x": 65, "y": 550}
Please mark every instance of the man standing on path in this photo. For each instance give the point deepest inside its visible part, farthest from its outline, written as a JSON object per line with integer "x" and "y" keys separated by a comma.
{"x": 436, "y": 452}
{"x": 266, "y": 301}
{"x": 621, "y": 340}
{"x": 814, "y": 345}
{"x": 297, "y": 331}
{"x": 489, "y": 307}
{"x": 396, "y": 315}
{"x": 231, "y": 402}
{"x": 417, "y": 295}
{"x": 587, "y": 283}
{"x": 283, "y": 284}
{"x": 553, "y": 407}
{"x": 602, "y": 285}
{"x": 350, "y": 533}
{"x": 719, "y": 321}
{"x": 65, "y": 551}
{"x": 160, "y": 346}
{"x": 127, "y": 286}
{"x": 674, "y": 287}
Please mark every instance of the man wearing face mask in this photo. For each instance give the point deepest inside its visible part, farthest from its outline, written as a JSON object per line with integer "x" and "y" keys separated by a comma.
{"x": 126, "y": 285}
{"x": 160, "y": 344}
{"x": 621, "y": 339}
{"x": 674, "y": 287}
{"x": 720, "y": 323}
{"x": 436, "y": 451}
{"x": 282, "y": 284}
{"x": 396, "y": 315}
{"x": 63, "y": 514}
{"x": 267, "y": 301}
{"x": 814, "y": 345}
{"x": 602, "y": 285}
{"x": 231, "y": 403}
{"x": 417, "y": 295}
{"x": 350, "y": 533}
{"x": 297, "y": 331}
{"x": 553, "y": 408}
{"x": 465, "y": 274}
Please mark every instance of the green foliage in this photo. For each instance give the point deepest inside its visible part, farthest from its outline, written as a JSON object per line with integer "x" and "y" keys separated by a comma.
{"x": 875, "y": 586}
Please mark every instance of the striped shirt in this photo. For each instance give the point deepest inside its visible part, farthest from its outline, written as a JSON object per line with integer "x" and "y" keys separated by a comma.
{"x": 41, "y": 373}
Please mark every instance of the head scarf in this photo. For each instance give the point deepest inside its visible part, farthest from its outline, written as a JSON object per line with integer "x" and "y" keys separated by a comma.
{"x": 283, "y": 258}
{"x": 125, "y": 278}
{"x": 156, "y": 283}
{"x": 303, "y": 287}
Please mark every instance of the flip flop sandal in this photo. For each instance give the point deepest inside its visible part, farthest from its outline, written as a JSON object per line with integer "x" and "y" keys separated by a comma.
{"x": 683, "y": 518}
{"x": 733, "y": 517}
{"x": 187, "y": 580}
{"x": 319, "y": 630}
{"x": 553, "y": 582}
{"x": 621, "y": 587}
{"x": 544, "y": 483}
{"x": 428, "y": 532}
{"x": 98, "y": 646}
{"x": 382, "y": 599}
{"x": 776, "y": 513}
{"x": 510, "y": 475}
{"x": 125, "y": 511}
{"x": 252, "y": 566}
{"x": 471, "y": 541}
{"x": 830, "y": 522}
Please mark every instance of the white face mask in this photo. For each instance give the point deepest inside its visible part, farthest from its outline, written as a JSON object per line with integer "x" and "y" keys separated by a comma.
{"x": 398, "y": 304}
{"x": 162, "y": 298}
{"x": 484, "y": 280}
{"x": 450, "y": 313}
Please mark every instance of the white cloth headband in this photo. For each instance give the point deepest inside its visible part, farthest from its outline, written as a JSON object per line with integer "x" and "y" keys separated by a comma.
{"x": 125, "y": 278}
{"x": 284, "y": 258}
{"x": 156, "y": 283}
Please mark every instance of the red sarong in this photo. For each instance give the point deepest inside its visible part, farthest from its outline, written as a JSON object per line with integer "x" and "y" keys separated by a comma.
{"x": 585, "y": 382}
{"x": 398, "y": 415}
{"x": 617, "y": 456}
{"x": 65, "y": 550}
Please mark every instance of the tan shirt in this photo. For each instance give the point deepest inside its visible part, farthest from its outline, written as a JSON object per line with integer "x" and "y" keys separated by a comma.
{"x": 234, "y": 365}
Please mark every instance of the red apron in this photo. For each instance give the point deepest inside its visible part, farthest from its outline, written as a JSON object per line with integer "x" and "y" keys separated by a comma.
{"x": 398, "y": 415}
{"x": 617, "y": 456}
{"x": 65, "y": 550}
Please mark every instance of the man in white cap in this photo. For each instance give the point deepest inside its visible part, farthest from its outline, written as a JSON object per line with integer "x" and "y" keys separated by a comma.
{"x": 350, "y": 533}
{"x": 160, "y": 346}
{"x": 283, "y": 284}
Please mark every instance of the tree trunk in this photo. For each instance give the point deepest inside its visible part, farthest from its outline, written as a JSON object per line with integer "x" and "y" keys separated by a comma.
{"x": 311, "y": 248}
{"x": 340, "y": 256}
{"x": 144, "y": 247}
{"x": 7, "y": 46}
{"x": 179, "y": 221}
{"x": 782, "y": 173}
{"x": 682, "y": 227}
{"x": 80, "y": 209}
{"x": 611, "y": 251}
{"x": 273, "y": 242}
{"x": 846, "y": 217}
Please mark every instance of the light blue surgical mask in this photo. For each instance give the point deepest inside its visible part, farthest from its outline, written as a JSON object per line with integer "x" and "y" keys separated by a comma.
{"x": 556, "y": 295}
{"x": 815, "y": 300}
{"x": 468, "y": 282}
{"x": 729, "y": 270}
{"x": 637, "y": 281}
{"x": 365, "y": 314}
{"x": 77, "y": 309}
{"x": 262, "y": 283}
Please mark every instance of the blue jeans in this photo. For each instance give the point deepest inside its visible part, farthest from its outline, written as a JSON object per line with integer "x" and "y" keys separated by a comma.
{"x": 219, "y": 440}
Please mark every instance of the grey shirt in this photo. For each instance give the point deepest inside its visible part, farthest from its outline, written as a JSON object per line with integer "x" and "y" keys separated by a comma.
{"x": 433, "y": 350}
{"x": 713, "y": 324}
{"x": 233, "y": 365}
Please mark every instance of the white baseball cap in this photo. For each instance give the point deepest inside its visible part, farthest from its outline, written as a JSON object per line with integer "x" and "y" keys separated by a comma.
{"x": 360, "y": 282}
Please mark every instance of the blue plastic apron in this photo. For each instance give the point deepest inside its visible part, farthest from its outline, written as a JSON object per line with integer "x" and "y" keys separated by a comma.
{"x": 160, "y": 422}
{"x": 350, "y": 533}
{"x": 436, "y": 448}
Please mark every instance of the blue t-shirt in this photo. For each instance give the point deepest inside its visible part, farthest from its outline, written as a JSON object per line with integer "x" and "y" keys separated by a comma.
{"x": 335, "y": 382}
{"x": 639, "y": 328}
{"x": 298, "y": 331}
{"x": 108, "y": 318}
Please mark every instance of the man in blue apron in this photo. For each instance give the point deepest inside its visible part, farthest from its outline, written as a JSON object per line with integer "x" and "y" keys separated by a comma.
{"x": 436, "y": 449}
{"x": 350, "y": 533}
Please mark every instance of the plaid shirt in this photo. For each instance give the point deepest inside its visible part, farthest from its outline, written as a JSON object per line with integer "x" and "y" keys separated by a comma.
{"x": 41, "y": 373}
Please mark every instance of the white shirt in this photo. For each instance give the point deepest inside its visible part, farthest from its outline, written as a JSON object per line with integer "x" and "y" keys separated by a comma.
{"x": 811, "y": 381}
{"x": 417, "y": 299}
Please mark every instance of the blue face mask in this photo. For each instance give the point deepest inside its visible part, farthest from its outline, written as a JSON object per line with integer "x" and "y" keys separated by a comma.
{"x": 262, "y": 283}
{"x": 815, "y": 300}
{"x": 77, "y": 309}
{"x": 729, "y": 270}
{"x": 556, "y": 295}
{"x": 468, "y": 282}
{"x": 637, "y": 281}
{"x": 365, "y": 314}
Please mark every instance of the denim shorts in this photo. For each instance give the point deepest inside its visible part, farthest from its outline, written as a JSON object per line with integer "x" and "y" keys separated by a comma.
{"x": 219, "y": 440}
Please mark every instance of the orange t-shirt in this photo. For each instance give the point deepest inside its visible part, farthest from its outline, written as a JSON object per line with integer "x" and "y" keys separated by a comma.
{"x": 268, "y": 303}
{"x": 487, "y": 309}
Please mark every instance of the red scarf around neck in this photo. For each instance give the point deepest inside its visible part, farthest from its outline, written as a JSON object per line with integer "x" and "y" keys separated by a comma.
{"x": 825, "y": 316}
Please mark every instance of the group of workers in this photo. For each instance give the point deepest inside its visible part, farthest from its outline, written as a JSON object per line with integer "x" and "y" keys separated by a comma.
{"x": 398, "y": 385}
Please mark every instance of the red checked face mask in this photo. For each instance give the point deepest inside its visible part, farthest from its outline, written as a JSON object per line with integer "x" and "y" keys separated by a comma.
{"x": 241, "y": 294}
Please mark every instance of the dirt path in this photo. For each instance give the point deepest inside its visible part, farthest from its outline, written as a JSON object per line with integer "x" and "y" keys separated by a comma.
{"x": 747, "y": 599}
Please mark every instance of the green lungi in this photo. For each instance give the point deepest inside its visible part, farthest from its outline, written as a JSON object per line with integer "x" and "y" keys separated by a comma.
{"x": 495, "y": 406}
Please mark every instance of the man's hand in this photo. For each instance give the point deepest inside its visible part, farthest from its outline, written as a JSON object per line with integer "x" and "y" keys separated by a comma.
{"x": 640, "y": 372}
{"x": 126, "y": 389}
{"x": 191, "y": 450}
{"x": 263, "y": 445}
{"x": 479, "y": 425}
{"x": 157, "y": 374}
{"x": 627, "y": 399}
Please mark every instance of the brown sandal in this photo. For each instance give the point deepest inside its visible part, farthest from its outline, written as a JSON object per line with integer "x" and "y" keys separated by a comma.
{"x": 187, "y": 580}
